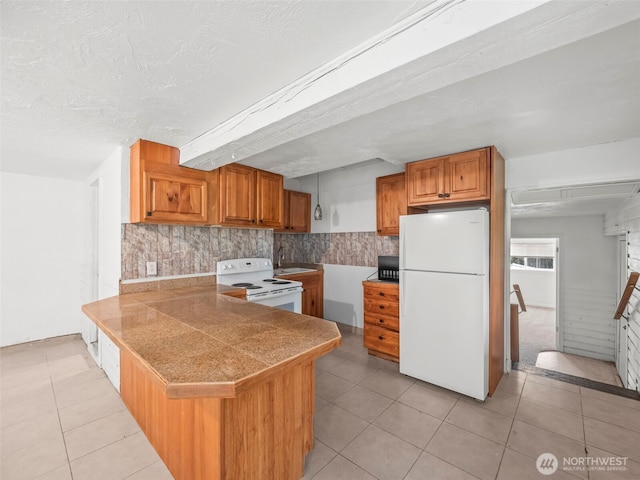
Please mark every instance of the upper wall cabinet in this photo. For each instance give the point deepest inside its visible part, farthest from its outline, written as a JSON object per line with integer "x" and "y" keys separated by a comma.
{"x": 161, "y": 190}
{"x": 248, "y": 197}
{"x": 269, "y": 199}
{"x": 461, "y": 177}
{"x": 237, "y": 195}
{"x": 297, "y": 212}
{"x": 391, "y": 202}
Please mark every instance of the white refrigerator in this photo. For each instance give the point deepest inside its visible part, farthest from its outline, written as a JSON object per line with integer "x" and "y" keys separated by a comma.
{"x": 444, "y": 299}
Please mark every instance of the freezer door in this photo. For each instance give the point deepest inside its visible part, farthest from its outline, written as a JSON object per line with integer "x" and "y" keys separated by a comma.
{"x": 444, "y": 330}
{"x": 446, "y": 242}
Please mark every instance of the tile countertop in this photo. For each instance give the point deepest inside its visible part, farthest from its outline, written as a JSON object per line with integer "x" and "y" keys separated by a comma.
{"x": 200, "y": 343}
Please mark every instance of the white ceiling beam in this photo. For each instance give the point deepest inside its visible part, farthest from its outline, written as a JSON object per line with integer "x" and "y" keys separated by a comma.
{"x": 449, "y": 41}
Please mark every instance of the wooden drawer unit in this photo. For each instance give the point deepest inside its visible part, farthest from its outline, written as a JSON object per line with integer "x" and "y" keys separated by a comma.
{"x": 382, "y": 340}
{"x": 375, "y": 306}
{"x": 388, "y": 292}
{"x": 382, "y": 319}
{"x": 386, "y": 321}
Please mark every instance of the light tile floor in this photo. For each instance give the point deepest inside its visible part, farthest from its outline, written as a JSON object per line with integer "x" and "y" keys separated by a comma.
{"x": 578, "y": 366}
{"x": 61, "y": 419}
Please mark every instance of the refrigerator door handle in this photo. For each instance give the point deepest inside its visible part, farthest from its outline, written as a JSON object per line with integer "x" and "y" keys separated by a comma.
{"x": 402, "y": 296}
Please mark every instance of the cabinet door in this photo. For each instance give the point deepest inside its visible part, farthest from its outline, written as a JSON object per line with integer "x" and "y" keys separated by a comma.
{"x": 312, "y": 302}
{"x": 391, "y": 202}
{"x": 286, "y": 198}
{"x": 468, "y": 176}
{"x": 237, "y": 195}
{"x": 270, "y": 208}
{"x": 313, "y": 292}
{"x": 173, "y": 195}
{"x": 425, "y": 181}
{"x": 299, "y": 212}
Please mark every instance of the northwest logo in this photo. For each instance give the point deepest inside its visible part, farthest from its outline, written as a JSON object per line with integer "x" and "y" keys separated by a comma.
{"x": 547, "y": 463}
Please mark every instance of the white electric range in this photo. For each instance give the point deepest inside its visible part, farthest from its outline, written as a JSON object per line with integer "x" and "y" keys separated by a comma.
{"x": 256, "y": 276}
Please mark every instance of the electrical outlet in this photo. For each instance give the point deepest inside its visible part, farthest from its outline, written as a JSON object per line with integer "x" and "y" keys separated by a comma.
{"x": 152, "y": 268}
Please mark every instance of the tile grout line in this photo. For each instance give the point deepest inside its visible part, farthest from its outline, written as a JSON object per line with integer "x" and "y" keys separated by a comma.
{"x": 513, "y": 420}
{"x": 64, "y": 440}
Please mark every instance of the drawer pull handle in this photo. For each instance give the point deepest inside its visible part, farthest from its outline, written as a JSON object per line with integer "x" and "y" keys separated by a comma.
{"x": 381, "y": 307}
{"x": 381, "y": 320}
{"x": 381, "y": 294}
{"x": 380, "y": 337}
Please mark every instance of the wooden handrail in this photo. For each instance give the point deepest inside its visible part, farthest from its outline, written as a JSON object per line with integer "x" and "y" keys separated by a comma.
{"x": 516, "y": 288}
{"x": 626, "y": 295}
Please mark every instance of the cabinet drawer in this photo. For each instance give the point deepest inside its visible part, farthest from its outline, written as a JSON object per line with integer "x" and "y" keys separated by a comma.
{"x": 375, "y": 306}
{"x": 388, "y": 292}
{"x": 385, "y": 321}
{"x": 382, "y": 340}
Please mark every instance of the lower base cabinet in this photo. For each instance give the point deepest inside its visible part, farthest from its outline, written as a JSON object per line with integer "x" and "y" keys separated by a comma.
{"x": 313, "y": 291}
{"x": 382, "y": 319}
{"x": 263, "y": 433}
{"x": 110, "y": 356}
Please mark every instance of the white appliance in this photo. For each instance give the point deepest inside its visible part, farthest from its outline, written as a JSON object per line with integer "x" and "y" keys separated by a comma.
{"x": 256, "y": 276}
{"x": 444, "y": 299}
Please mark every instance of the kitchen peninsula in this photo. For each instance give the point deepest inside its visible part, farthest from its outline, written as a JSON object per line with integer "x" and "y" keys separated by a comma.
{"x": 222, "y": 388}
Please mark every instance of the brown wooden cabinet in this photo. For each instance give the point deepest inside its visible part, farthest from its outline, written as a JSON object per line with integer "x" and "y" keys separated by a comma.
{"x": 234, "y": 195}
{"x": 161, "y": 190}
{"x": 297, "y": 212}
{"x": 382, "y": 319}
{"x": 463, "y": 177}
{"x": 313, "y": 291}
{"x": 391, "y": 202}
{"x": 237, "y": 195}
{"x": 269, "y": 199}
{"x": 249, "y": 197}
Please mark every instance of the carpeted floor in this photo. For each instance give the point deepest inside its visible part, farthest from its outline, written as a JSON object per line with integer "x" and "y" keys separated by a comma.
{"x": 538, "y": 348}
{"x": 537, "y": 333}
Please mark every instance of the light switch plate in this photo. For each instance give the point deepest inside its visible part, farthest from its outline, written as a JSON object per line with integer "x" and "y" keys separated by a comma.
{"x": 152, "y": 268}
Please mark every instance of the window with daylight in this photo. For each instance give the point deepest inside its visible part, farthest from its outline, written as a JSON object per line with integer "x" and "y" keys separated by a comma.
{"x": 533, "y": 254}
{"x": 543, "y": 263}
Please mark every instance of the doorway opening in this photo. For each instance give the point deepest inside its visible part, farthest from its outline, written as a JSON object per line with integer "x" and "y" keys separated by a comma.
{"x": 534, "y": 268}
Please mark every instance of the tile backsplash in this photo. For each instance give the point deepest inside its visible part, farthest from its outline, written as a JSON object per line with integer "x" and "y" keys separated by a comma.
{"x": 184, "y": 250}
{"x": 351, "y": 248}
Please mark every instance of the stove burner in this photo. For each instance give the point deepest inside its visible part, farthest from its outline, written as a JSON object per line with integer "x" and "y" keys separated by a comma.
{"x": 280, "y": 282}
{"x": 242, "y": 284}
{"x": 253, "y": 287}
{"x": 270, "y": 280}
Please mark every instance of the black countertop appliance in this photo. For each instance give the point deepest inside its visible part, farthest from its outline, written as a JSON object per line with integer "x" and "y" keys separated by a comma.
{"x": 388, "y": 268}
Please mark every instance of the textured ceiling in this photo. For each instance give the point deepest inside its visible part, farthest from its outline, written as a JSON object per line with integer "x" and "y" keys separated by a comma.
{"x": 82, "y": 78}
{"x": 524, "y": 108}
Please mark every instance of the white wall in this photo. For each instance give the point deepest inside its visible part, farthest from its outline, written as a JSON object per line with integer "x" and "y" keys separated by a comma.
{"x": 616, "y": 161}
{"x": 41, "y": 257}
{"x": 587, "y": 263}
{"x": 348, "y": 201}
{"x": 347, "y": 197}
{"x": 343, "y": 296}
{"x": 626, "y": 220}
{"x": 538, "y": 287}
{"x": 112, "y": 178}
